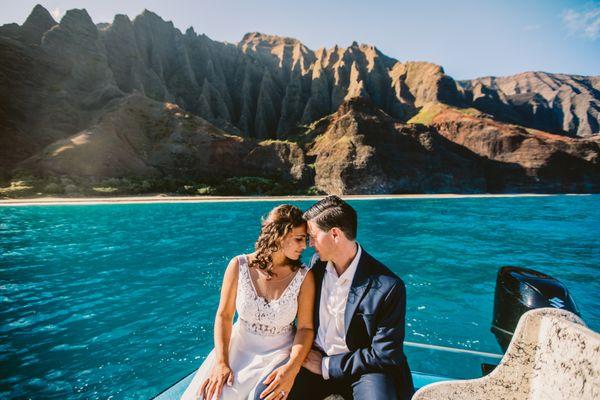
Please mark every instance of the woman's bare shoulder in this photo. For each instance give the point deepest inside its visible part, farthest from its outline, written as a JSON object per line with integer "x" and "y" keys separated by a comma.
{"x": 233, "y": 267}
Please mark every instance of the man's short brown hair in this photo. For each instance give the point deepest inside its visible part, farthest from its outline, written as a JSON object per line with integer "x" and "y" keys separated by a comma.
{"x": 333, "y": 212}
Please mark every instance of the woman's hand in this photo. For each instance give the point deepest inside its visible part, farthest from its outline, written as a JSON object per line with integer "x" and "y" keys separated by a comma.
{"x": 280, "y": 383}
{"x": 220, "y": 375}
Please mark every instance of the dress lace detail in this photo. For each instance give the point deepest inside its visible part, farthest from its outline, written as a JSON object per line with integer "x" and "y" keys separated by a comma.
{"x": 267, "y": 317}
{"x": 261, "y": 339}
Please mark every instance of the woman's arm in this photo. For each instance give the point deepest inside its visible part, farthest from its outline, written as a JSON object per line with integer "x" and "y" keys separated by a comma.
{"x": 221, "y": 372}
{"x": 282, "y": 378}
{"x": 226, "y": 312}
{"x": 305, "y": 333}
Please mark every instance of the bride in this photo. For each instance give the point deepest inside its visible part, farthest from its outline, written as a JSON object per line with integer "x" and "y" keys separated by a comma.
{"x": 269, "y": 289}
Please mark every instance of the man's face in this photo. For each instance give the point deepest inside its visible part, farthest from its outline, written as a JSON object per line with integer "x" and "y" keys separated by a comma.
{"x": 321, "y": 240}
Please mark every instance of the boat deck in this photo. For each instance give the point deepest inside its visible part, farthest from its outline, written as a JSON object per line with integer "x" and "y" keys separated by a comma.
{"x": 174, "y": 392}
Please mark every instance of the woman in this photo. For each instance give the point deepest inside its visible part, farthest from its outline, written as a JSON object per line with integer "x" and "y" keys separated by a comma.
{"x": 269, "y": 289}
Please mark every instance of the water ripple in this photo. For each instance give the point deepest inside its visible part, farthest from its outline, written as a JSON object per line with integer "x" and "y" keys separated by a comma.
{"x": 119, "y": 301}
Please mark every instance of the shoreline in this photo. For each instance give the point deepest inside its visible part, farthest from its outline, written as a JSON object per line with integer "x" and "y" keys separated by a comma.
{"x": 213, "y": 199}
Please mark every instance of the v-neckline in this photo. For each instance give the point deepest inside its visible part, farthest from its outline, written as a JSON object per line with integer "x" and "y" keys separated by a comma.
{"x": 256, "y": 291}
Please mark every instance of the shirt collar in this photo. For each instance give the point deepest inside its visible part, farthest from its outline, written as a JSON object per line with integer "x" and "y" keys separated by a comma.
{"x": 348, "y": 274}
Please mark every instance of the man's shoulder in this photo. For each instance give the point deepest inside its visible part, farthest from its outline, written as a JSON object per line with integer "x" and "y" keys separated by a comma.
{"x": 381, "y": 273}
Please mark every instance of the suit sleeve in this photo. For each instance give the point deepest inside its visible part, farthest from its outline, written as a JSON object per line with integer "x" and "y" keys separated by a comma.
{"x": 386, "y": 349}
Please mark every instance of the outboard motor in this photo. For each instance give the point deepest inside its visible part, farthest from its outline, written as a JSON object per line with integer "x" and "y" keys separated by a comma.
{"x": 519, "y": 290}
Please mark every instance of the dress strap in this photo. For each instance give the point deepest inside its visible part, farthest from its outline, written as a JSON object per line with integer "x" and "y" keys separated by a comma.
{"x": 242, "y": 261}
{"x": 242, "y": 268}
{"x": 304, "y": 271}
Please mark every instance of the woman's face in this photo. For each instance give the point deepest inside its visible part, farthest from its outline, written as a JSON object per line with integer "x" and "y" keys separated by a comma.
{"x": 294, "y": 242}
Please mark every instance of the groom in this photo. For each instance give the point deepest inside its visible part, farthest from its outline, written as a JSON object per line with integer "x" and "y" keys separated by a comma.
{"x": 359, "y": 315}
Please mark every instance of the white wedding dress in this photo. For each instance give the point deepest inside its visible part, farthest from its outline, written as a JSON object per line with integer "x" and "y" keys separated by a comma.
{"x": 261, "y": 338}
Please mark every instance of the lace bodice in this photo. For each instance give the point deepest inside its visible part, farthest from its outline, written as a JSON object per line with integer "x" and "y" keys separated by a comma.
{"x": 262, "y": 317}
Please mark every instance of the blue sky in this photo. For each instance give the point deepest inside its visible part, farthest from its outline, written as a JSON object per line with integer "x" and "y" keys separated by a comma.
{"x": 468, "y": 38}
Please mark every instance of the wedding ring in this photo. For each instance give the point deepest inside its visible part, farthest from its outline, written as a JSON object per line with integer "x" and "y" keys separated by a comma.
{"x": 282, "y": 393}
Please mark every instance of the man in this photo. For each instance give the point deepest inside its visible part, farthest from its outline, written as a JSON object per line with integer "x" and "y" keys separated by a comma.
{"x": 359, "y": 315}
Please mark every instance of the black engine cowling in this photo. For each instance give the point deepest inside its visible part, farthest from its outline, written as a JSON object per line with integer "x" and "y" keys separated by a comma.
{"x": 519, "y": 290}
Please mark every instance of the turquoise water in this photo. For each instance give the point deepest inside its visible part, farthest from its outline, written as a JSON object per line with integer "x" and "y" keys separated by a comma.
{"x": 117, "y": 301}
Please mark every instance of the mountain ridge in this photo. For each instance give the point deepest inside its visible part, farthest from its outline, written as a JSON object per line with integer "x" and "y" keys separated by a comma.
{"x": 65, "y": 79}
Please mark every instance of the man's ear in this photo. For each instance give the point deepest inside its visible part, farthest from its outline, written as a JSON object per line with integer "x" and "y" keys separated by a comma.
{"x": 335, "y": 233}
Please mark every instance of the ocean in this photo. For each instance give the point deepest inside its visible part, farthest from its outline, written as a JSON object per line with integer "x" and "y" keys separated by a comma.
{"x": 118, "y": 301}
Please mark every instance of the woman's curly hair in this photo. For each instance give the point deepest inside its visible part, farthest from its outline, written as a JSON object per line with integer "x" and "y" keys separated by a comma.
{"x": 281, "y": 220}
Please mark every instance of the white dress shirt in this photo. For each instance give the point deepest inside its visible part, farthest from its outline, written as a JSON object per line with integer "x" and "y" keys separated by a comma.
{"x": 331, "y": 336}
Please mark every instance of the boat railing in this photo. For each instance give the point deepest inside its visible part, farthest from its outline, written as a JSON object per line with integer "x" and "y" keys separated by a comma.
{"x": 453, "y": 349}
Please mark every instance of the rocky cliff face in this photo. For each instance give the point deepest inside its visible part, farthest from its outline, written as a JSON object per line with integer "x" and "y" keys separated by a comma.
{"x": 557, "y": 103}
{"x": 263, "y": 87}
{"x": 78, "y": 98}
{"x": 142, "y": 138}
{"x": 53, "y": 88}
{"x": 521, "y": 159}
{"x": 363, "y": 150}
{"x": 360, "y": 149}
{"x": 138, "y": 137}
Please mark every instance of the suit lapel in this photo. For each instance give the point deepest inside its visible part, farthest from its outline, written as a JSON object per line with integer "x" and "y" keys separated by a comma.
{"x": 319, "y": 271}
{"x": 360, "y": 284}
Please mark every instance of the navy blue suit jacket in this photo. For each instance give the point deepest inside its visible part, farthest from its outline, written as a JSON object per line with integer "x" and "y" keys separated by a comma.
{"x": 374, "y": 321}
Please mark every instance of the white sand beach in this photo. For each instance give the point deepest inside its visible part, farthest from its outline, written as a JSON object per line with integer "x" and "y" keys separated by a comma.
{"x": 207, "y": 199}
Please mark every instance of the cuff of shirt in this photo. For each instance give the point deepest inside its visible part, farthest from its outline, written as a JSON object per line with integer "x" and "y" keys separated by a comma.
{"x": 325, "y": 367}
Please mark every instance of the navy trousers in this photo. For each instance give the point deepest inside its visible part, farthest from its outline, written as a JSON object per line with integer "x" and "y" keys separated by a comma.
{"x": 371, "y": 386}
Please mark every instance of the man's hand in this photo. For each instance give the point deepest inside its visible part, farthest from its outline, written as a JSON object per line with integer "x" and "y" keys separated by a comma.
{"x": 313, "y": 362}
